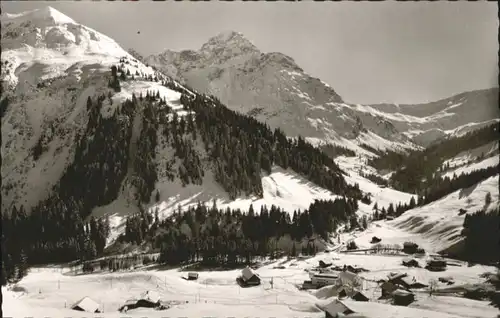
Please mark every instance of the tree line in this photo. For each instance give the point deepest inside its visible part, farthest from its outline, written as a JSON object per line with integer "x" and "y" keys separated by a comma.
{"x": 216, "y": 236}
{"x": 335, "y": 151}
{"x": 438, "y": 190}
{"x": 52, "y": 236}
{"x": 240, "y": 147}
{"x": 417, "y": 171}
{"x": 482, "y": 236}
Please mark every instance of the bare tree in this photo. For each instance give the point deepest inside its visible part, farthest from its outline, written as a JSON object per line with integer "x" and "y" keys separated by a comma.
{"x": 433, "y": 284}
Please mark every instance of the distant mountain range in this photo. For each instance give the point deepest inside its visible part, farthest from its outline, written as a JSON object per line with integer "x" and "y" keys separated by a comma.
{"x": 273, "y": 88}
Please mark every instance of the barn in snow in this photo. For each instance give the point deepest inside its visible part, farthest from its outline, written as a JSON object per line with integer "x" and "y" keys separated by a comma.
{"x": 86, "y": 304}
{"x": 338, "y": 308}
{"x": 148, "y": 299}
{"x": 248, "y": 278}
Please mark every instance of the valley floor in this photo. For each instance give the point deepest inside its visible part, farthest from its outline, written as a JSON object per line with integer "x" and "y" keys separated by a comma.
{"x": 51, "y": 291}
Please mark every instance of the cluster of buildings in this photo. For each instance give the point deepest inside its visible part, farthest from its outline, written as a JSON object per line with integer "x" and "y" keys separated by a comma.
{"x": 148, "y": 299}
{"x": 343, "y": 284}
{"x": 151, "y": 298}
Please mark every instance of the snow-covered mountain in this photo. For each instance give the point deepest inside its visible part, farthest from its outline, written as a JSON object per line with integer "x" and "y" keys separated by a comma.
{"x": 51, "y": 66}
{"x": 273, "y": 88}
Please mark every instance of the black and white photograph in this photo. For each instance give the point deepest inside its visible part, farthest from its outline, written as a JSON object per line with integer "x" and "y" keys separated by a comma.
{"x": 250, "y": 159}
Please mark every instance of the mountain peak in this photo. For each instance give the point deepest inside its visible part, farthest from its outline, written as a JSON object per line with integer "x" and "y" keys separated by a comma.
{"x": 43, "y": 16}
{"x": 225, "y": 36}
{"x": 228, "y": 40}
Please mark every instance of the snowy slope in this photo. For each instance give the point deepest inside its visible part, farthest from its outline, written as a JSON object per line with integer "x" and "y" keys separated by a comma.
{"x": 486, "y": 163}
{"x": 283, "y": 188}
{"x": 439, "y": 222}
{"x": 470, "y": 156}
{"x": 50, "y": 65}
{"x": 382, "y": 196}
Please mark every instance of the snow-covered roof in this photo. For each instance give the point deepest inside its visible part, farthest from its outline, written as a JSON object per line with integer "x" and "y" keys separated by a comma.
{"x": 151, "y": 296}
{"x": 130, "y": 302}
{"x": 348, "y": 277}
{"x": 247, "y": 273}
{"x": 86, "y": 304}
{"x": 396, "y": 276}
{"x": 409, "y": 281}
{"x": 401, "y": 292}
{"x": 335, "y": 307}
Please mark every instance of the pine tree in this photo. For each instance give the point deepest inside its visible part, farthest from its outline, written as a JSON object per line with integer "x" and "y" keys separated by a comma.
{"x": 114, "y": 71}
{"x": 107, "y": 226}
{"x": 383, "y": 213}
{"x": 390, "y": 210}
{"x": 117, "y": 86}
{"x": 157, "y": 218}
{"x": 89, "y": 103}
{"x": 4, "y": 104}
{"x": 4, "y": 273}
{"x": 412, "y": 203}
{"x": 364, "y": 222}
{"x": 487, "y": 199}
{"x": 22, "y": 265}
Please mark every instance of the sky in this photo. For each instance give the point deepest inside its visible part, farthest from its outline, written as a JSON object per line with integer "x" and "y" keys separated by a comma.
{"x": 394, "y": 52}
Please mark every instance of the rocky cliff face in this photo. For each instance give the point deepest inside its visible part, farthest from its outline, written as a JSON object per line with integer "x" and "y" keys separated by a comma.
{"x": 268, "y": 86}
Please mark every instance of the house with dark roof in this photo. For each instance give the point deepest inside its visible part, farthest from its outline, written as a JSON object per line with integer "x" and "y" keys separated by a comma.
{"x": 336, "y": 308}
{"x": 387, "y": 289}
{"x": 248, "y": 278}
{"x": 352, "y": 293}
{"x": 436, "y": 265}
{"x": 402, "y": 297}
{"x": 148, "y": 299}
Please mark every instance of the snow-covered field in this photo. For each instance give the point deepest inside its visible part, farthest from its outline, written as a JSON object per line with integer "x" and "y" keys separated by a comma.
{"x": 50, "y": 291}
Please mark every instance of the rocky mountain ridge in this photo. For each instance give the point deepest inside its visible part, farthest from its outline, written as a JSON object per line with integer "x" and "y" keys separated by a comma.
{"x": 273, "y": 88}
